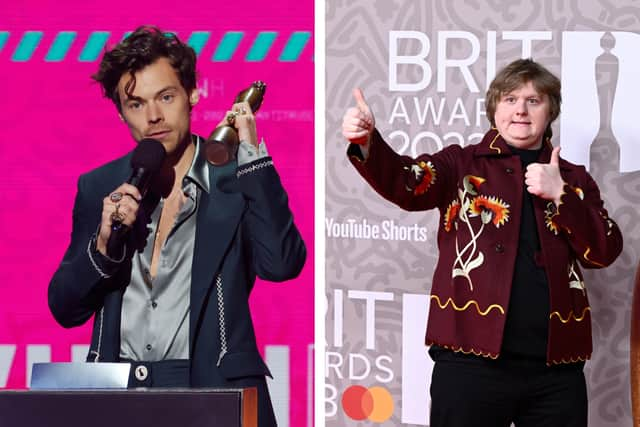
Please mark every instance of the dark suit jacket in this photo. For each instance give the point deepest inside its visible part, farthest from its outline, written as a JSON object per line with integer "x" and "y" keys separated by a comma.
{"x": 244, "y": 229}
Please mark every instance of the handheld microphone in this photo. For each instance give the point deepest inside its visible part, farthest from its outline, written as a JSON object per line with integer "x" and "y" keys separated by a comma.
{"x": 147, "y": 159}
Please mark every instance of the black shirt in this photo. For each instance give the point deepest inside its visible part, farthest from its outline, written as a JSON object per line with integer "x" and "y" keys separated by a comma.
{"x": 527, "y": 325}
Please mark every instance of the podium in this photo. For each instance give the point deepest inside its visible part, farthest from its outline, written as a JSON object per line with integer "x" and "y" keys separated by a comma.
{"x": 135, "y": 408}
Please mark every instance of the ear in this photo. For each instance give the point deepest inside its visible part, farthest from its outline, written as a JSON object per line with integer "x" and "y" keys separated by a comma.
{"x": 122, "y": 117}
{"x": 194, "y": 97}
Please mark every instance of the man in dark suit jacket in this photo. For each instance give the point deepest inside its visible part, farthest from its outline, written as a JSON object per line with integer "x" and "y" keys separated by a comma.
{"x": 174, "y": 300}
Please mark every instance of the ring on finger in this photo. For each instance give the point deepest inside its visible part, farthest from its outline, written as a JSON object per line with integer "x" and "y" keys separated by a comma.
{"x": 231, "y": 117}
{"x": 116, "y": 197}
{"x": 117, "y": 217}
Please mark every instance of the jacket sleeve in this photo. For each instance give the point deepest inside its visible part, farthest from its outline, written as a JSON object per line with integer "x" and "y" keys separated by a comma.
{"x": 277, "y": 249}
{"x": 412, "y": 184}
{"x": 84, "y": 276}
{"x": 592, "y": 234}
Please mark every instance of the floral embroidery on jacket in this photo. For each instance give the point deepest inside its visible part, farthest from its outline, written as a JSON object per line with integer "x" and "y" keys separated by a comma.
{"x": 549, "y": 213}
{"x": 421, "y": 176}
{"x": 451, "y": 214}
{"x": 575, "y": 281}
{"x": 578, "y": 192}
{"x": 494, "y": 208}
{"x": 470, "y": 204}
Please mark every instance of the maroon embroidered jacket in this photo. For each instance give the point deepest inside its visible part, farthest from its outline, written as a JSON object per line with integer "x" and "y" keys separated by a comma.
{"x": 478, "y": 191}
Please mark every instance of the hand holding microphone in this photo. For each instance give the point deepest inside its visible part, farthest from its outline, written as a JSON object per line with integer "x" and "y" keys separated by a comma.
{"x": 119, "y": 210}
{"x": 120, "y": 207}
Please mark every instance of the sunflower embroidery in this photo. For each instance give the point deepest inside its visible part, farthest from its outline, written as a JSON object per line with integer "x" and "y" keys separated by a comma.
{"x": 422, "y": 175}
{"x": 579, "y": 192}
{"x": 451, "y": 214}
{"x": 470, "y": 204}
{"x": 549, "y": 213}
{"x": 472, "y": 183}
{"x": 490, "y": 209}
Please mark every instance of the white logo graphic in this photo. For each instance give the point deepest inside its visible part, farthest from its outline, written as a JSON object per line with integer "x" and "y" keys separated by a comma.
{"x": 416, "y": 363}
{"x": 586, "y": 107}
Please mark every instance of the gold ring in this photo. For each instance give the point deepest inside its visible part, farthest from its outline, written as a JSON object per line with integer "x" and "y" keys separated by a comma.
{"x": 231, "y": 117}
{"x": 117, "y": 217}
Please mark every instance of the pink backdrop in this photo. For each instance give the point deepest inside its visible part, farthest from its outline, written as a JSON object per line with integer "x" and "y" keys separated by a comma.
{"x": 55, "y": 125}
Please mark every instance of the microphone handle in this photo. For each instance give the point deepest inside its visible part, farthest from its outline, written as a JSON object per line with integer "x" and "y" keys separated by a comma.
{"x": 139, "y": 178}
{"x": 115, "y": 244}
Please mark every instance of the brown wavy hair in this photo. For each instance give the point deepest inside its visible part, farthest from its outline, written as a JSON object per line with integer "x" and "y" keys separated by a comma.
{"x": 517, "y": 74}
{"x": 142, "y": 48}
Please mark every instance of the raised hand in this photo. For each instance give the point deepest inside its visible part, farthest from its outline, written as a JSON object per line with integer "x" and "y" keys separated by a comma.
{"x": 358, "y": 122}
{"x": 242, "y": 119}
{"x": 544, "y": 179}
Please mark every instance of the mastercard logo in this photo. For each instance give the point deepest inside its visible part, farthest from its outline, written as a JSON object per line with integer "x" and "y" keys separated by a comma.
{"x": 361, "y": 403}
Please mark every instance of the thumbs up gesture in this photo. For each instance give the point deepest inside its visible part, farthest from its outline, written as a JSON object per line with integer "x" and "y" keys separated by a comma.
{"x": 358, "y": 122}
{"x": 544, "y": 179}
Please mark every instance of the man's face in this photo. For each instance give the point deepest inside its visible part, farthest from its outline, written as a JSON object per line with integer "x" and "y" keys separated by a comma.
{"x": 158, "y": 106}
{"x": 522, "y": 117}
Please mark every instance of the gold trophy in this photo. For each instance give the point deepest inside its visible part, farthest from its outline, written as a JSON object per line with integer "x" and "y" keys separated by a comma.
{"x": 222, "y": 145}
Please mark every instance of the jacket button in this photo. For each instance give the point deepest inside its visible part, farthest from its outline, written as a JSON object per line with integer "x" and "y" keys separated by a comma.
{"x": 149, "y": 347}
{"x": 509, "y": 170}
{"x": 141, "y": 372}
{"x": 499, "y": 248}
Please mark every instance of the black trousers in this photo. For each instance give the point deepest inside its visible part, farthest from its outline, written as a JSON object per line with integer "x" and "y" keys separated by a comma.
{"x": 493, "y": 394}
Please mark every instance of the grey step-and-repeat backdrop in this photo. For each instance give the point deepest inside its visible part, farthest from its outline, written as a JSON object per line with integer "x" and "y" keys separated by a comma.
{"x": 424, "y": 67}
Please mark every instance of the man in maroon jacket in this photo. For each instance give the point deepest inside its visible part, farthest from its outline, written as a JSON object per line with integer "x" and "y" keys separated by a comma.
{"x": 509, "y": 325}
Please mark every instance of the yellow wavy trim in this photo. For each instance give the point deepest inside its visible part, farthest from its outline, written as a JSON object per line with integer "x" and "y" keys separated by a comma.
{"x": 570, "y": 360}
{"x": 463, "y": 351}
{"x": 562, "y": 361}
{"x": 495, "y": 148}
{"x": 570, "y": 316}
{"x": 590, "y": 260}
{"x": 463, "y": 308}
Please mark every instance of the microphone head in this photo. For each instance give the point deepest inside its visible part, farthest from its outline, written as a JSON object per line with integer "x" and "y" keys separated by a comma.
{"x": 148, "y": 155}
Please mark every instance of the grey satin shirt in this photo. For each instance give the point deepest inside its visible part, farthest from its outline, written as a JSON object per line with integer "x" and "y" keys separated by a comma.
{"x": 154, "y": 323}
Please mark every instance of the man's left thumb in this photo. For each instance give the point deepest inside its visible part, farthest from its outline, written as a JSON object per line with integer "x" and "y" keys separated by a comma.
{"x": 555, "y": 156}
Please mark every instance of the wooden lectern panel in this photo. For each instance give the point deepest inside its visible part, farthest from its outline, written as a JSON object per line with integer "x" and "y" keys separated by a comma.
{"x": 135, "y": 408}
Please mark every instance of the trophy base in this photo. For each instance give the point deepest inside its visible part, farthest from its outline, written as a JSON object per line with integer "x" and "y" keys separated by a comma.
{"x": 222, "y": 145}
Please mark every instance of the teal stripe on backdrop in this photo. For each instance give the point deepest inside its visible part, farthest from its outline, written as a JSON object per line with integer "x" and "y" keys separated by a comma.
{"x": 294, "y": 46}
{"x": 94, "y": 46}
{"x": 60, "y": 46}
{"x": 28, "y": 44}
{"x": 198, "y": 40}
{"x": 227, "y": 46}
{"x": 224, "y": 51}
{"x": 261, "y": 46}
{"x": 4, "y": 36}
